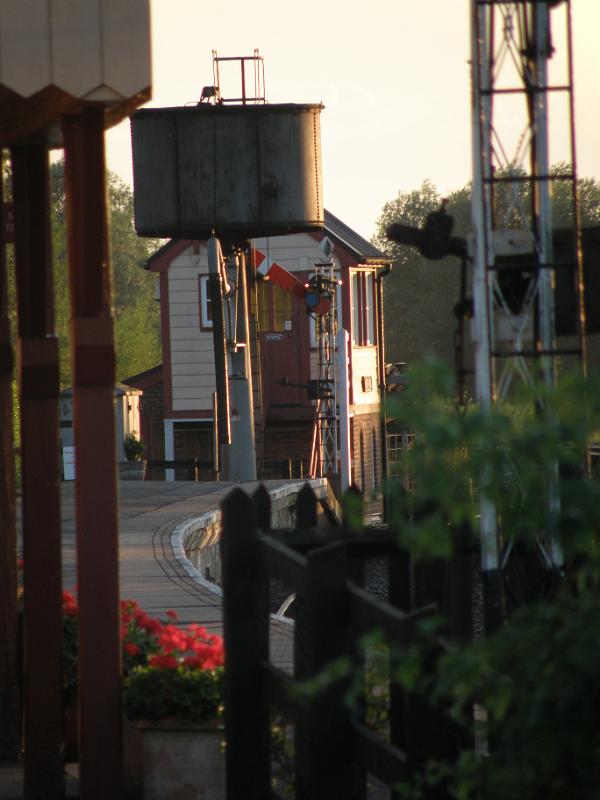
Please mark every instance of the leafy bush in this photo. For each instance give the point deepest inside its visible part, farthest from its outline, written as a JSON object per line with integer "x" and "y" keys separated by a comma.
{"x": 134, "y": 447}
{"x": 534, "y": 682}
{"x": 187, "y": 693}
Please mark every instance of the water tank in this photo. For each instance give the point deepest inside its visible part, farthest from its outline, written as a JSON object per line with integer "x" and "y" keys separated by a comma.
{"x": 244, "y": 171}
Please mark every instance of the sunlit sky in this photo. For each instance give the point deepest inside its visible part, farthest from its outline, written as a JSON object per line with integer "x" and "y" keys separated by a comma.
{"x": 393, "y": 75}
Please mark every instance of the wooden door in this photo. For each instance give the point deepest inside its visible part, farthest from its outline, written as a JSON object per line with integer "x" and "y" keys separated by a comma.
{"x": 284, "y": 347}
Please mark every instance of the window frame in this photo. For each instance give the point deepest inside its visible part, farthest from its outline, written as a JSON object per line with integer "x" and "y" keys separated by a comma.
{"x": 362, "y": 303}
{"x": 204, "y": 303}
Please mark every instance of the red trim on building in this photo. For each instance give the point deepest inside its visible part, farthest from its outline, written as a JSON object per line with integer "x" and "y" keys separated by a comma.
{"x": 144, "y": 380}
{"x": 165, "y": 331}
{"x": 162, "y": 259}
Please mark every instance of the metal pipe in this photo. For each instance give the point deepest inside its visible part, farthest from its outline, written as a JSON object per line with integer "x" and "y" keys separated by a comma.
{"x": 344, "y": 406}
{"x": 242, "y": 465}
{"x": 215, "y": 287}
{"x": 481, "y": 218}
{"x": 381, "y": 274}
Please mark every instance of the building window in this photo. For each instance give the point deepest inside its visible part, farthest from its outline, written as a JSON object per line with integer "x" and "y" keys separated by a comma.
{"x": 282, "y": 309}
{"x": 275, "y": 308}
{"x": 398, "y": 445}
{"x": 363, "y": 325}
{"x": 205, "y": 304}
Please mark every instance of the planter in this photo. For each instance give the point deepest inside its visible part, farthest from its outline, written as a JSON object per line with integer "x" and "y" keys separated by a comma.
{"x": 183, "y": 760}
{"x": 71, "y": 730}
{"x": 132, "y": 470}
{"x": 133, "y": 757}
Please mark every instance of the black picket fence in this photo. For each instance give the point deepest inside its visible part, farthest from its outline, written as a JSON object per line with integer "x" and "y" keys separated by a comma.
{"x": 334, "y": 749}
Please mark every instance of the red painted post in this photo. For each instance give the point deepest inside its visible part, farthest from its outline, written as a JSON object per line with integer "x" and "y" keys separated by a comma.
{"x": 39, "y": 387}
{"x": 9, "y": 688}
{"x": 95, "y": 457}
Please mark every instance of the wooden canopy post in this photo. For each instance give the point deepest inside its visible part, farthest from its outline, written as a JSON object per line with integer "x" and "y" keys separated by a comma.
{"x": 39, "y": 388}
{"x": 93, "y": 359}
{"x": 9, "y": 689}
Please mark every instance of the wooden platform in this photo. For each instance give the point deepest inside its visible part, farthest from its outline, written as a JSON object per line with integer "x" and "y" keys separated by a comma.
{"x": 149, "y": 511}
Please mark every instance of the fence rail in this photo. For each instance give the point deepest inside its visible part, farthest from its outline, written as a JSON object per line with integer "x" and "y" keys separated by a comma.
{"x": 333, "y": 611}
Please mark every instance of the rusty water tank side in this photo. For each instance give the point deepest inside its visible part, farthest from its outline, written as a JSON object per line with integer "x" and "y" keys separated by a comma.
{"x": 243, "y": 171}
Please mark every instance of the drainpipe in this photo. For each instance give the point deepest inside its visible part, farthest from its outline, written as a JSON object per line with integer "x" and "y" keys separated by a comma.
{"x": 344, "y": 406}
{"x": 381, "y": 274}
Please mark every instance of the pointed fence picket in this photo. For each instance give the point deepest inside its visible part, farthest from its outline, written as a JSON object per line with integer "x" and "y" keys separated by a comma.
{"x": 334, "y": 749}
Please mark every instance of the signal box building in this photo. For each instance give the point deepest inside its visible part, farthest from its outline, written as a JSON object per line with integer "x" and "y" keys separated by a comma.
{"x": 177, "y": 406}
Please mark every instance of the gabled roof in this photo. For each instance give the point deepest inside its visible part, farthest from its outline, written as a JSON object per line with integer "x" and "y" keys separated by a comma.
{"x": 145, "y": 379}
{"x": 348, "y": 238}
{"x": 341, "y": 234}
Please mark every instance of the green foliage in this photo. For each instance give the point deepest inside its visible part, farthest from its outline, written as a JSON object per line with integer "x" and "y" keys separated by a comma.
{"x": 536, "y": 678}
{"x": 137, "y": 321}
{"x": 419, "y": 294}
{"x": 134, "y": 448}
{"x": 152, "y": 693}
{"x": 509, "y": 455}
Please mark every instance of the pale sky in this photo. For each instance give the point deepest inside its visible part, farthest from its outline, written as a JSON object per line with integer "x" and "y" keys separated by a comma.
{"x": 393, "y": 75}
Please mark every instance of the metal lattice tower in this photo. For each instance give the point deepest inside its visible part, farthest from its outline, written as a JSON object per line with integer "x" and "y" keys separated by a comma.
{"x": 522, "y": 75}
{"x": 325, "y": 439}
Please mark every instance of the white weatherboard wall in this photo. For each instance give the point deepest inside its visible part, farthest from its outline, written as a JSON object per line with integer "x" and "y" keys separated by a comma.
{"x": 192, "y": 354}
{"x": 364, "y": 364}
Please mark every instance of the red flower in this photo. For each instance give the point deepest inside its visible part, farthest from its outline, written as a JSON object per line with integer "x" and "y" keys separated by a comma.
{"x": 193, "y": 662}
{"x": 172, "y": 638}
{"x": 163, "y": 661}
{"x": 198, "y": 630}
{"x": 69, "y": 604}
{"x": 150, "y": 624}
{"x": 172, "y": 615}
{"x": 131, "y": 648}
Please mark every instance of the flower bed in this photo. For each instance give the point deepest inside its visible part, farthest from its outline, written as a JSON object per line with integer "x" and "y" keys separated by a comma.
{"x": 168, "y": 670}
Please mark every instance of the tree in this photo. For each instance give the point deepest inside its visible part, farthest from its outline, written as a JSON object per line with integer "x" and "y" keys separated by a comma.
{"x": 137, "y": 320}
{"x": 419, "y": 294}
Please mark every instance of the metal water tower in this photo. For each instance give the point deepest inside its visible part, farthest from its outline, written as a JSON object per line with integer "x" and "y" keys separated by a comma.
{"x": 229, "y": 169}
{"x": 238, "y": 166}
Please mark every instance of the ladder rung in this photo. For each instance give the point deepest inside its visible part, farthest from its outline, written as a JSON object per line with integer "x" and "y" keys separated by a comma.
{"x": 535, "y": 353}
{"x": 564, "y": 176}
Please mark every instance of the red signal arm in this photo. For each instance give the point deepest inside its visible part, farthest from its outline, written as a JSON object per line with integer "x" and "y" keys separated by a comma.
{"x": 290, "y": 283}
